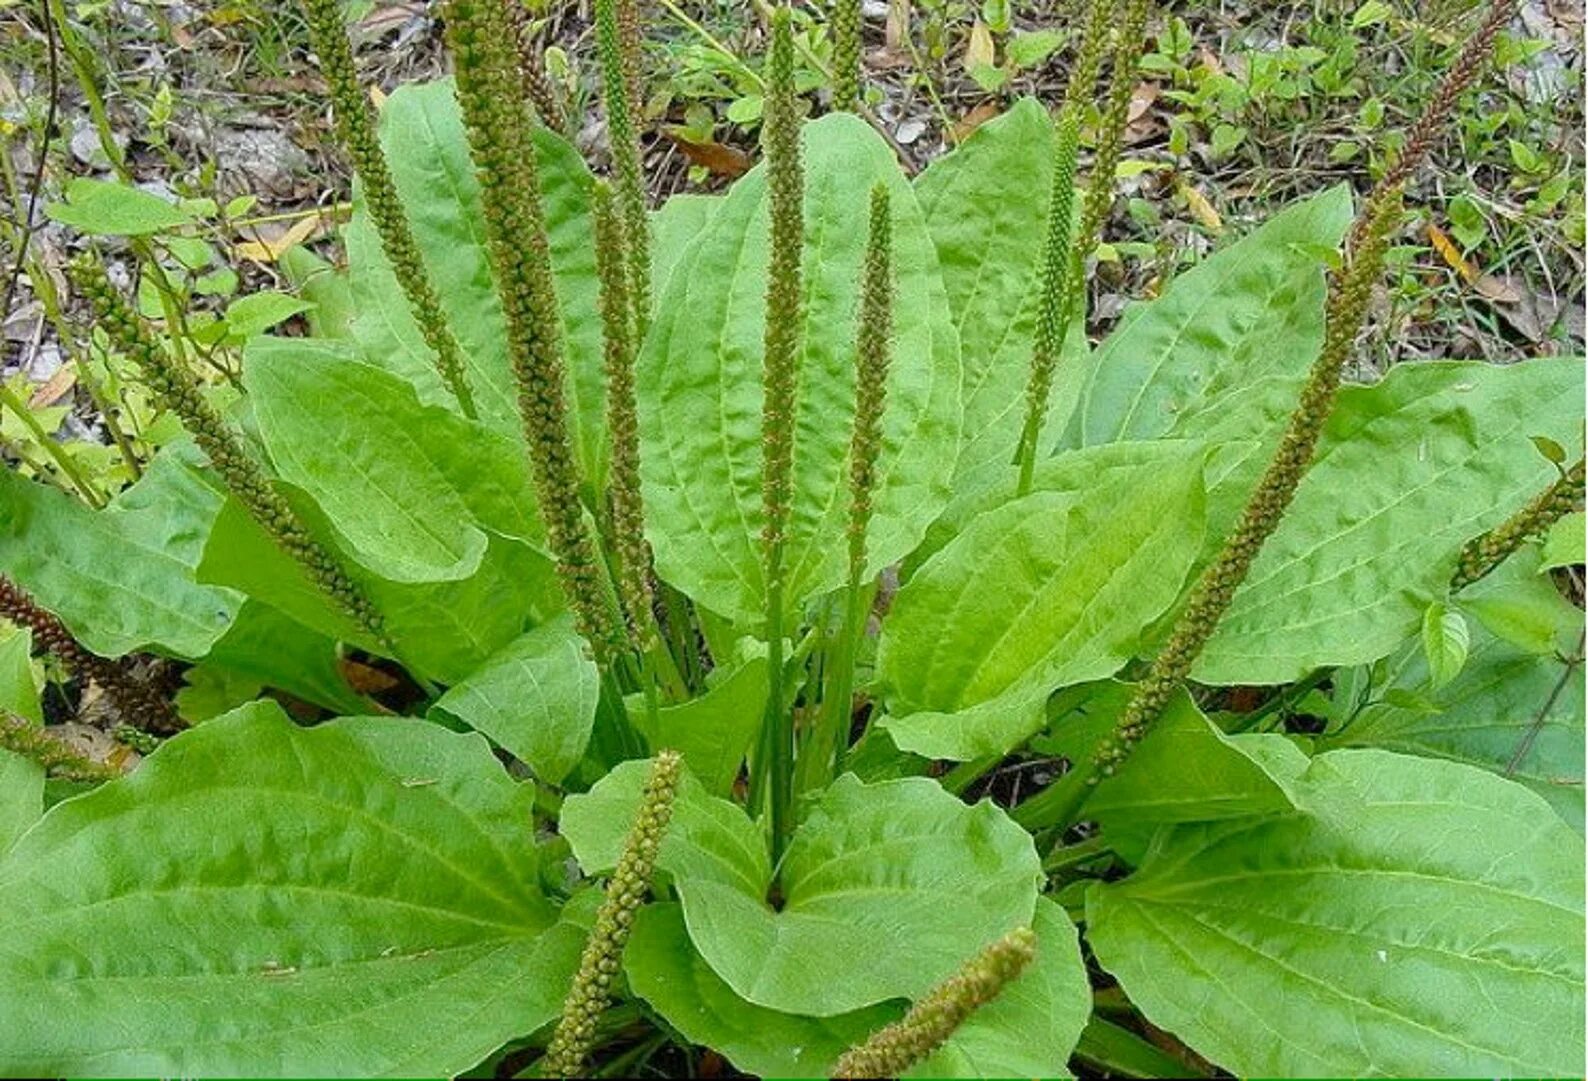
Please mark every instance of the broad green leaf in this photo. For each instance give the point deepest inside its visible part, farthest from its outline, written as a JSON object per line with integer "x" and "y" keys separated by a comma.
{"x": 886, "y": 888}
{"x": 20, "y": 682}
{"x": 258, "y": 312}
{"x": 325, "y": 287}
{"x": 21, "y": 797}
{"x": 1510, "y": 711}
{"x": 266, "y": 646}
{"x": 412, "y": 488}
{"x": 358, "y": 899}
{"x": 674, "y": 225}
{"x": 1046, "y": 591}
{"x": 1187, "y": 770}
{"x": 1520, "y": 604}
{"x": 1028, "y": 1031}
{"x": 536, "y": 698}
{"x": 1407, "y": 471}
{"x": 106, "y": 208}
{"x": 699, "y": 386}
{"x": 1563, "y": 545}
{"x": 425, "y": 145}
{"x": 715, "y": 731}
{"x": 122, "y": 578}
{"x": 1418, "y": 918}
{"x": 1446, "y": 640}
{"x": 445, "y": 630}
{"x": 986, "y": 207}
{"x": 1226, "y": 348}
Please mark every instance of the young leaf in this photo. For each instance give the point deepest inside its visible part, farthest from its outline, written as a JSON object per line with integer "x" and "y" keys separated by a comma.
{"x": 986, "y": 206}
{"x": 536, "y": 698}
{"x": 885, "y": 887}
{"x": 699, "y": 386}
{"x": 1373, "y": 932}
{"x": 1407, "y": 471}
{"x": 1563, "y": 545}
{"x": 370, "y": 881}
{"x": 258, "y": 312}
{"x": 1445, "y": 642}
{"x": 1045, "y": 591}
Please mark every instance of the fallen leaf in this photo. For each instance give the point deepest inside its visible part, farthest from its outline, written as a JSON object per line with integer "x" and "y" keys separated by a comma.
{"x": 1202, "y": 209}
{"x": 55, "y": 387}
{"x": 1451, "y": 254}
{"x": 972, "y": 120}
{"x": 979, "y": 48}
{"x": 1498, "y": 290}
{"x": 717, "y": 158}
{"x": 365, "y": 679}
{"x": 268, "y": 246}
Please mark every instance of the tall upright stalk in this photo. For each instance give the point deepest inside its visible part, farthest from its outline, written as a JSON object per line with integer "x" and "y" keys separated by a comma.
{"x": 829, "y": 739}
{"x": 780, "y": 386}
{"x": 618, "y": 41}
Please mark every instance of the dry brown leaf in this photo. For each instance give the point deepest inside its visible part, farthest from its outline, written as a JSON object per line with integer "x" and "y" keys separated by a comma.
{"x": 1140, "y": 124}
{"x": 717, "y": 158}
{"x": 1497, "y": 290}
{"x": 365, "y": 679}
{"x": 972, "y": 120}
{"x": 55, "y": 387}
{"x": 1451, "y": 254}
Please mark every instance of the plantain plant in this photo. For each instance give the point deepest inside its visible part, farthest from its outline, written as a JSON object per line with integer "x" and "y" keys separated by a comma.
{"x": 797, "y": 643}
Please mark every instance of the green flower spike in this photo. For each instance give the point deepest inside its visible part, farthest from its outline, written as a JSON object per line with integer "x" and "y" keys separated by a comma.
{"x": 500, "y": 143}
{"x": 1487, "y": 552}
{"x": 1111, "y": 134}
{"x": 873, "y": 350}
{"x": 845, "y": 23}
{"x": 137, "y": 703}
{"x": 780, "y": 385}
{"x": 890, "y": 1051}
{"x": 355, "y": 122}
{"x": 176, "y": 389}
{"x": 58, "y": 759}
{"x": 618, "y": 41}
{"x": 539, "y": 90}
{"x": 602, "y": 959}
{"x": 633, "y": 555}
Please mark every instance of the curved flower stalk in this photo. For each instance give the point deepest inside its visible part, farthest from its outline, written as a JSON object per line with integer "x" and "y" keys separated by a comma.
{"x": 137, "y": 703}
{"x": 58, "y": 759}
{"x": 1483, "y": 554}
{"x": 177, "y": 390}
{"x": 632, "y": 554}
{"x": 618, "y": 41}
{"x": 1347, "y": 306}
{"x": 1063, "y": 255}
{"x": 500, "y": 143}
{"x": 602, "y": 959}
{"x": 890, "y": 1051}
{"x": 538, "y": 88}
{"x": 780, "y": 390}
{"x": 355, "y": 123}
{"x": 845, "y": 23}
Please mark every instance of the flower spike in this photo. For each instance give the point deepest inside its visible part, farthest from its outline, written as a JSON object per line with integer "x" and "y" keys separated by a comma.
{"x": 134, "y": 699}
{"x": 845, "y": 23}
{"x": 890, "y": 1051}
{"x": 602, "y": 958}
{"x": 177, "y": 390}
{"x": 1487, "y": 552}
{"x": 355, "y": 122}
{"x": 503, "y": 150}
{"x": 618, "y": 39}
{"x": 55, "y": 755}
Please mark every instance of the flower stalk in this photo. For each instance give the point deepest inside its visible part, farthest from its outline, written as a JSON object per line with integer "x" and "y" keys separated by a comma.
{"x": 780, "y": 402}
{"x": 845, "y": 22}
{"x": 501, "y": 144}
{"x": 1483, "y": 554}
{"x": 602, "y": 958}
{"x": 175, "y": 387}
{"x": 356, "y": 125}
{"x": 892, "y": 1050}
{"x": 873, "y": 353}
{"x": 55, "y": 755}
{"x": 138, "y": 703}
